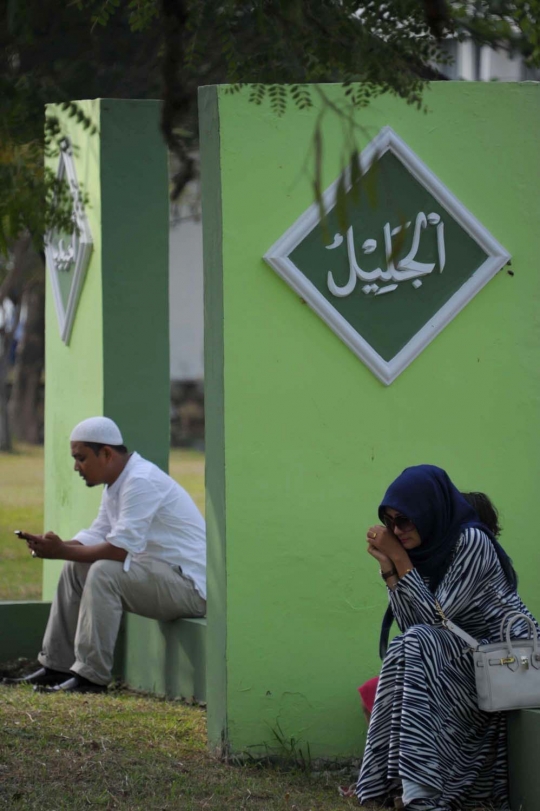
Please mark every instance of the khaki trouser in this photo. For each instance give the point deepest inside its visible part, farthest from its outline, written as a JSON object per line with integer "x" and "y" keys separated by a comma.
{"x": 87, "y": 609}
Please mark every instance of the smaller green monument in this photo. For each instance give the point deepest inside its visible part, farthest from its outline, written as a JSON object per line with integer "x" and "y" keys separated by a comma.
{"x": 107, "y": 324}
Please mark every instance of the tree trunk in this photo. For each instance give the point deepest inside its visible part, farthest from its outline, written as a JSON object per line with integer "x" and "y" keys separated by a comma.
{"x": 25, "y": 277}
{"x": 7, "y": 331}
{"x": 25, "y": 405}
{"x": 5, "y": 433}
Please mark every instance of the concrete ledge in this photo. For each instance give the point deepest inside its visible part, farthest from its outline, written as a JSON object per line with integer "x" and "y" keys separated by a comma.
{"x": 22, "y": 624}
{"x": 523, "y": 749}
{"x": 165, "y": 658}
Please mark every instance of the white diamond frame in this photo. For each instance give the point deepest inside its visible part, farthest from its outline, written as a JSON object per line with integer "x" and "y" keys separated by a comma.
{"x": 66, "y": 316}
{"x": 278, "y": 258}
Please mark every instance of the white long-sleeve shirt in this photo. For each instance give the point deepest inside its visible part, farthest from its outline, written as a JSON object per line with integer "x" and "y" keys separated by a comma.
{"x": 148, "y": 514}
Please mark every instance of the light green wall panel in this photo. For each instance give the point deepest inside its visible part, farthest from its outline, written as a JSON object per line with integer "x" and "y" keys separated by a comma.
{"x": 302, "y": 439}
{"x": 117, "y": 360}
{"x": 74, "y": 373}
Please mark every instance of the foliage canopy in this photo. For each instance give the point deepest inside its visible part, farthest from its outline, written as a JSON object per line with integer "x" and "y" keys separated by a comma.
{"x": 49, "y": 53}
{"x": 58, "y": 52}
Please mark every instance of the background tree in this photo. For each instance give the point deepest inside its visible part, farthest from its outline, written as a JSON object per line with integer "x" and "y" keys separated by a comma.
{"x": 55, "y": 52}
{"x": 391, "y": 46}
{"x": 49, "y": 52}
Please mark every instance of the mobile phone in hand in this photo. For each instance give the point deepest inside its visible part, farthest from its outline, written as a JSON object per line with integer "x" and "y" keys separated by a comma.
{"x": 20, "y": 534}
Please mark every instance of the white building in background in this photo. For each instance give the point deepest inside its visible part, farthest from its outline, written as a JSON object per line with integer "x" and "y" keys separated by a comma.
{"x": 186, "y": 316}
{"x": 480, "y": 63}
{"x": 470, "y": 63}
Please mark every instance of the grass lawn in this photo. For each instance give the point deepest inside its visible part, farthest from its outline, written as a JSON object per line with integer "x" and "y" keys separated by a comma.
{"x": 187, "y": 467}
{"x": 21, "y": 507}
{"x": 130, "y": 752}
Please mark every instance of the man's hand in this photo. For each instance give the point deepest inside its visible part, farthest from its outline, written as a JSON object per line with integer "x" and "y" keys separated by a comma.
{"x": 48, "y": 546}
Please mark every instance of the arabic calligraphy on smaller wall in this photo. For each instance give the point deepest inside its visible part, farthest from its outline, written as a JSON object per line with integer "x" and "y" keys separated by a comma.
{"x": 68, "y": 254}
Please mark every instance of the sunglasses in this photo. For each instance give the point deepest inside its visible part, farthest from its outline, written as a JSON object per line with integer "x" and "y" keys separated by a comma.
{"x": 403, "y": 523}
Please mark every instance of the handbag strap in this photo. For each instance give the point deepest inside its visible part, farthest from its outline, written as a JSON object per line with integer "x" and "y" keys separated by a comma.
{"x": 532, "y": 628}
{"x": 509, "y": 619}
{"x": 450, "y": 626}
{"x": 505, "y": 619}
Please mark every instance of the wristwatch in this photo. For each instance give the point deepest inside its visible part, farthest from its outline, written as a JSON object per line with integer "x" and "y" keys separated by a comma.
{"x": 387, "y": 575}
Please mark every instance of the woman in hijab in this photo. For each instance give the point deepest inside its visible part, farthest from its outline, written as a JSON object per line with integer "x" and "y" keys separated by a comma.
{"x": 428, "y": 744}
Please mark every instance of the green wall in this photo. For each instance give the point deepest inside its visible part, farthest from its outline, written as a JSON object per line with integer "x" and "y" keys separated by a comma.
{"x": 523, "y": 748}
{"x": 302, "y": 439}
{"x": 216, "y": 581}
{"x": 23, "y": 625}
{"x": 117, "y": 360}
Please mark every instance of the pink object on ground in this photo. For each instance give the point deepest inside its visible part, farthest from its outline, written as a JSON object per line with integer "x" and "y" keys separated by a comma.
{"x": 367, "y": 692}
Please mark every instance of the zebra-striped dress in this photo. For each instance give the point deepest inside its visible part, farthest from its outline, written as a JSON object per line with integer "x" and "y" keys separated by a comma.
{"x": 426, "y": 726}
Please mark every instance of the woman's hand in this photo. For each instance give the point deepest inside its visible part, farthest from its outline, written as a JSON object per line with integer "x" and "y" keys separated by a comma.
{"x": 384, "y": 561}
{"x": 384, "y": 542}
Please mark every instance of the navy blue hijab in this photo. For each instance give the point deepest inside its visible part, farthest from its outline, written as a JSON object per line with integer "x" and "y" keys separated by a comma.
{"x": 440, "y": 513}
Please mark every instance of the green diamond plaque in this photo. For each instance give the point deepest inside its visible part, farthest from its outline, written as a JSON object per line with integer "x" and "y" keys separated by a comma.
{"x": 411, "y": 258}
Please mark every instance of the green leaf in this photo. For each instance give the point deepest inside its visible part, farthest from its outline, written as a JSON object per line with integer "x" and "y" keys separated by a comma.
{"x": 341, "y": 207}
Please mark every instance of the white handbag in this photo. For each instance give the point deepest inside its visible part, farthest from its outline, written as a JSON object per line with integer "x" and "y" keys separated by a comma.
{"x": 507, "y": 672}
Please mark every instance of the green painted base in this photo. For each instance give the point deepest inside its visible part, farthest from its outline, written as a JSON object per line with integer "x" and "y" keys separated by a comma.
{"x": 166, "y": 658}
{"x": 523, "y": 749}
{"x": 22, "y": 627}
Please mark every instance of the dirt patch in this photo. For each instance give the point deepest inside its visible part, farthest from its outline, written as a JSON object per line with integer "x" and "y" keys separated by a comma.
{"x": 17, "y": 668}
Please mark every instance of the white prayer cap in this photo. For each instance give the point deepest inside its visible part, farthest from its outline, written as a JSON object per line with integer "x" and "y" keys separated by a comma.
{"x": 97, "y": 429}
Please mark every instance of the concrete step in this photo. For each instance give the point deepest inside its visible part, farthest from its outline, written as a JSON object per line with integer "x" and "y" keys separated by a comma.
{"x": 164, "y": 658}
{"x": 523, "y": 759}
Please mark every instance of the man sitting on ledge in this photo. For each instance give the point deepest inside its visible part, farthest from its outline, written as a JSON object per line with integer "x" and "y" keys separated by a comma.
{"x": 145, "y": 553}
